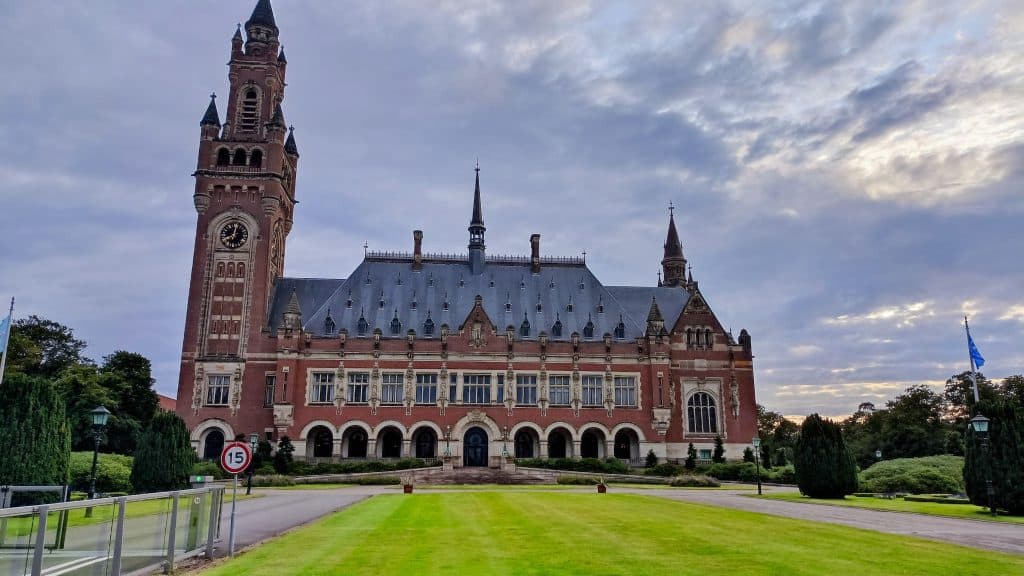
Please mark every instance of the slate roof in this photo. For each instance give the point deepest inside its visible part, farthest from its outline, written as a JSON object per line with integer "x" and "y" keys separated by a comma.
{"x": 501, "y": 283}
{"x": 262, "y": 15}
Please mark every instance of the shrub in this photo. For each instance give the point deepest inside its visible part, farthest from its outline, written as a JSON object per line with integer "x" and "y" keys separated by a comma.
{"x": 665, "y": 469}
{"x": 35, "y": 435}
{"x": 928, "y": 475}
{"x": 578, "y": 480}
{"x": 937, "y": 498}
{"x": 272, "y": 480}
{"x": 694, "y": 481}
{"x": 825, "y": 468}
{"x": 1003, "y": 462}
{"x": 719, "y": 455}
{"x": 113, "y": 472}
{"x": 780, "y": 475}
{"x": 376, "y": 480}
{"x": 607, "y": 466}
{"x": 748, "y": 455}
{"x": 283, "y": 457}
{"x": 164, "y": 455}
{"x": 652, "y": 459}
{"x": 209, "y": 468}
{"x": 691, "y": 457}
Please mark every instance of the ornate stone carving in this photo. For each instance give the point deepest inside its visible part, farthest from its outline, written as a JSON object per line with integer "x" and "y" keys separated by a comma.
{"x": 236, "y": 391}
{"x": 197, "y": 390}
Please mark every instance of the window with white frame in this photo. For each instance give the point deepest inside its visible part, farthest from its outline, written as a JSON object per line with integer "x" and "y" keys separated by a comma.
{"x": 704, "y": 454}
{"x": 526, "y": 389}
{"x": 426, "y": 388}
{"x": 391, "y": 388}
{"x": 218, "y": 388}
{"x": 322, "y": 391}
{"x": 476, "y": 389}
{"x": 453, "y": 387}
{"x": 625, "y": 391}
{"x": 701, "y": 414}
{"x": 358, "y": 386}
{"x": 500, "y": 393}
{"x": 592, "y": 394}
{"x": 558, "y": 390}
{"x": 268, "y": 391}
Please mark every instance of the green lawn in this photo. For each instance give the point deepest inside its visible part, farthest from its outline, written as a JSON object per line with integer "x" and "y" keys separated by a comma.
{"x": 519, "y": 533}
{"x": 900, "y": 505}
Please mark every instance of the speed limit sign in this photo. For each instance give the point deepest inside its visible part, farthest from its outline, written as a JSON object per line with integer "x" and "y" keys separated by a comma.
{"x": 235, "y": 457}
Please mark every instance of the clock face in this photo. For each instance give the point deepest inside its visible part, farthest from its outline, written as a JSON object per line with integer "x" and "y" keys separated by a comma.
{"x": 233, "y": 235}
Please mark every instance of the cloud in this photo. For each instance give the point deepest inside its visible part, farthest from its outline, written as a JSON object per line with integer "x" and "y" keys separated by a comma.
{"x": 902, "y": 316}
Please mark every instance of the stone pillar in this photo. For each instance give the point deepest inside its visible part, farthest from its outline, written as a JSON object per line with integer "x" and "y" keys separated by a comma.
{"x": 543, "y": 450}
{"x": 406, "y": 446}
{"x": 371, "y": 448}
{"x": 575, "y": 449}
{"x": 336, "y": 448}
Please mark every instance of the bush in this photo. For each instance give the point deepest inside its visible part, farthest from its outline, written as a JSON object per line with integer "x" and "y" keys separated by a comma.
{"x": 208, "y": 468}
{"x": 272, "y": 480}
{"x": 665, "y": 470}
{"x": 691, "y": 457}
{"x": 376, "y": 480}
{"x": 780, "y": 475}
{"x": 719, "y": 455}
{"x": 578, "y": 480}
{"x": 825, "y": 467}
{"x": 938, "y": 499}
{"x": 694, "y": 481}
{"x": 164, "y": 456}
{"x": 928, "y": 475}
{"x": 283, "y": 457}
{"x": 607, "y": 466}
{"x": 652, "y": 459}
{"x": 748, "y": 454}
{"x": 113, "y": 472}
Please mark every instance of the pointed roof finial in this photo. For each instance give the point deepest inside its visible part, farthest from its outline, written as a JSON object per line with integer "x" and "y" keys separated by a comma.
{"x": 654, "y": 315}
{"x": 211, "y": 118}
{"x": 280, "y": 56}
{"x": 673, "y": 247}
{"x": 478, "y": 213}
{"x": 671, "y": 209}
{"x": 293, "y": 304}
{"x": 238, "y": 32}
{"x": 277, "y": 120}
{"x": 289, "y": 144}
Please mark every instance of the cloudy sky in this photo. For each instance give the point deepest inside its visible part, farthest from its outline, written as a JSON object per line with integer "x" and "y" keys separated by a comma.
{"x": 849, "y": 176}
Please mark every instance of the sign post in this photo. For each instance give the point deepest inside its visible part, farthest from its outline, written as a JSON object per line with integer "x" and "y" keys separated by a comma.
{"x": 235, "y": 458}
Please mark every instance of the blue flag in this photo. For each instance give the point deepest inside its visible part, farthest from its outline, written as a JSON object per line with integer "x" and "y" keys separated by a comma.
{"x": 979, "y": 361}
{"x": 5, "y": 327}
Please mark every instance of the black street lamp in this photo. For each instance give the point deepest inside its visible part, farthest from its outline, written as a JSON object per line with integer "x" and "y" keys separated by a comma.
{"x": 447, "y": 440}
{"x": 254, "y": 442}
{"x": 99, "y": 422}
{"x": 980, "y": 426}
{"x": 878, "y": 454}
{"x": 757, "y": 460}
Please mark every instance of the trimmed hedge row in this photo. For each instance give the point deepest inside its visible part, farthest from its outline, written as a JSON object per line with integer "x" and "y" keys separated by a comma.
{"x": 608, "y": 465}
{"x": 113, "y": 472}
{"x": 928, "y": 475}
{"x": 209, "y": 468}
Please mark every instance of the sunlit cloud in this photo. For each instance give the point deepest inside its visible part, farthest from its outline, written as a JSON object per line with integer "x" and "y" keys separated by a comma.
{"x": 902, "y": 316}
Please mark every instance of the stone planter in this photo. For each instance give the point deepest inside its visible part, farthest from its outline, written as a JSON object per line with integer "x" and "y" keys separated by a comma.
{"x": 407, "y": 488}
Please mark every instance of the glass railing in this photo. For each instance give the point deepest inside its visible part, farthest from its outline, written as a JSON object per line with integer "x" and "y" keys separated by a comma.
{"x": 109, "y": 536}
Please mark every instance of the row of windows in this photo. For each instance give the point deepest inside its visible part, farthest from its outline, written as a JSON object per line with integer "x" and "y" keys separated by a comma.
{"x": 699, "y": 338}
{"x": 239, "y": 158}
{"x": 230, "y": 270}
{"x": 701, "y": 410}
{"x": 476, "y": 389}
{"x": 362, "y": 327}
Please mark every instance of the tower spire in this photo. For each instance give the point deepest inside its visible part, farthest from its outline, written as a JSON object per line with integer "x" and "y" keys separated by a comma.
{"x": 262, "y": 15}
{"x": 211, "y": 118}
{"x": 673, "y": 263}
{"x": 476, "y": 230}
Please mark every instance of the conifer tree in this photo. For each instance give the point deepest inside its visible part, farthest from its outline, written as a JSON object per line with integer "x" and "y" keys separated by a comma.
{"x": 164, "y": 457}
{"x": 719, "y": 455}
{"x": 283, "y": 456}
{"x": 825, "y": 467}
{"x": 34, "y": 433}
{"x": 1002, "y": 461}
{"x": 691, "y": 457}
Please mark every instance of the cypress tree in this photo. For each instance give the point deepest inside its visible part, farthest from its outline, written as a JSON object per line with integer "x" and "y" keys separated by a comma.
{"x": 1004, "y": 461}
{"x": 34, "y": 433}
{"x": 748, "y": 454}
{"x": 825, "y": 467}
{"x": 691, "y": 457}
{"x": 283, "y": 456}
{"x": 719, "y": 454}
{"x": 164, "y": 456}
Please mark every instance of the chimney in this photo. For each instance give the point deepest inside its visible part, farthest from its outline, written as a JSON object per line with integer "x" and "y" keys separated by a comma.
{"x": 535, "y": 253}
{"x": 417, "y": 249}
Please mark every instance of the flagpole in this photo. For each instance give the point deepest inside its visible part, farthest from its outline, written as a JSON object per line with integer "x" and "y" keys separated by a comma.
{"x": 970, "y": 356}
{"x": 7, "y": 338}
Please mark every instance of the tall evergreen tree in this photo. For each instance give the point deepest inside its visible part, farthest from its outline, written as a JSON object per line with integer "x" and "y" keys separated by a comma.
{"x": 1002, "y": 461}
{"x": 164, "y": 457}
{"x": 691, "y": 457}
{"x": 825, "y": 468}
{"x": 719, "y": 454}
{"x": 34, "y": 432}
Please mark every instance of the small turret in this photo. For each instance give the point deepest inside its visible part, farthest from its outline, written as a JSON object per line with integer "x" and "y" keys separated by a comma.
{"x": 261, "y": 26}
{"x": 293, "y": 314}
{"x": 476, "y": 231}
{"x": 289, "y": 144}
{"x": 655, "y": 321}
{"x": 236, "y": 43}
{"x": 673, "y": 263}
{"x": 210, "y": 124}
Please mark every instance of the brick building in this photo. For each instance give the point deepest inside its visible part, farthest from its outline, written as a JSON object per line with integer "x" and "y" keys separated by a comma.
{"x": 419, "y": 354}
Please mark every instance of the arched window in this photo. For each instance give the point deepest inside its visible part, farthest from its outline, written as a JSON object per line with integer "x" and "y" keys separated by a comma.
{"x": 239, "y": 159}
{"x": 689, "y": 337}
{"x": 556, "y": 329}
{"x": 231, "y": 269}
{"x": 708, "y": 339}
{"x": 701, "y": 414}
{"x": 620, "y": 330}
{"x": 329, "y": 324}
{"x": 524, "y": 328}
{"x": 240, "y": 273}
{"x": 396, "y": 324}
{"x": 588, "y": 330}
{"x": 250, "y": 110}
{"x": 428, "y": 327}
{"x": 220, "y": 269}
{"x": 362, "y": 326}
{"x": 256, "y": 160}
{"x": 223, "y": 157}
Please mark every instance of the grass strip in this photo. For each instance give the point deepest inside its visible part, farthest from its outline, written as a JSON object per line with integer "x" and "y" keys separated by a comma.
{"x": 969, "y": 511}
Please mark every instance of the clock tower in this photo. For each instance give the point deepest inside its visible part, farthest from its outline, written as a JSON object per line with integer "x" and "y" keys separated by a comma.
{"x": 244, "y": 199}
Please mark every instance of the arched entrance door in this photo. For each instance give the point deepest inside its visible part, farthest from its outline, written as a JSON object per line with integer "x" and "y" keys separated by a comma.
{"x": 323, "y": 442}
{"x": 357, "y": 443}
{"x": 524, "y": 444}
{"x": 556, "y": 444}
{"x": 627, "y": 447}
{"x": 213, "y": 445}
{"x": 590, "y": 444}
{"x": 475, "y": 443}
{"x": 390, "y": 443}
{"x": 426, "y": 441}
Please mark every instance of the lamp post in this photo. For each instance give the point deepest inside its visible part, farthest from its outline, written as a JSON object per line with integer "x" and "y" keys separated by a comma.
{"x": 254, "y": 442}
{"x": 980, "y": 426}
{"x": 504, "y": 443}
{"x": 757, "y": 460}
{"x": 99, "y": 422}
{"x": 878, "y": 454}
{"x": 447, "y": 440}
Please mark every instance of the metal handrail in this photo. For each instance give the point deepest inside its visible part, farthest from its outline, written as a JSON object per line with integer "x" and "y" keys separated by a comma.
{"x": 58, "y": 506}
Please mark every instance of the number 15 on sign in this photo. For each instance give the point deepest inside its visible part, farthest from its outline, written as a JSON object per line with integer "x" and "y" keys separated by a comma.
{"x": 235, "y": 458}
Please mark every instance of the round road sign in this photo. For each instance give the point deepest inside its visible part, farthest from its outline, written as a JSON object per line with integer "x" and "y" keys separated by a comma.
{"x": 235, "y": 457}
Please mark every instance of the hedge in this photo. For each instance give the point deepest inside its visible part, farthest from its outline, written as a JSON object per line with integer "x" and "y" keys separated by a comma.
{"x": 112, "y": 472}
{"x": 928, "y": 475}
{"x": 694, "y": 481}
{"x": 608, "y": 465}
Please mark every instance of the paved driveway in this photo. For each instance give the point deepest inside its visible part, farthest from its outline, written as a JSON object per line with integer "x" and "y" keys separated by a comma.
{"x": 1000, "y": 536}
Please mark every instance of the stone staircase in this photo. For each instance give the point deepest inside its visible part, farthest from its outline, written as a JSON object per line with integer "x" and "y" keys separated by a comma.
{"x": 477, "y": 475}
